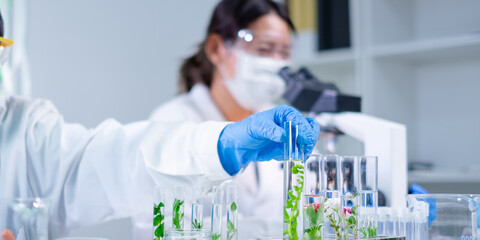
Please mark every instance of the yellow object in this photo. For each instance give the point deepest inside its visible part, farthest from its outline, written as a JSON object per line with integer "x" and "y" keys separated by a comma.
{"x": 4, "y": 42}
{"x": 303, "y": 14}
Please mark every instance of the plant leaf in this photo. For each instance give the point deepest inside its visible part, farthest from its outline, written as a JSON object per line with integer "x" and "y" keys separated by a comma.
{"x": 285, "y": 216}
{"x": 157, "y": 220}
{"x": 216, "y": 236}
{"x": 233, "y": 206}
{"x": 289, "y": 204}
{"x": 155, "y": 209}
{"x": 311, "y": 215}
{"x": 159, "y": 231}
{"x": 290, "y": 193}
{"x": 230, "y": 226}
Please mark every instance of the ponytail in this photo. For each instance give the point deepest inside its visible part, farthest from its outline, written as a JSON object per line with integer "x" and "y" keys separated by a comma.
{"x": 196, "y": 69}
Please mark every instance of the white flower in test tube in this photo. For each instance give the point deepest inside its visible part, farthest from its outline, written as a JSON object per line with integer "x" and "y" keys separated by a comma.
{"x": 332, "y": 205}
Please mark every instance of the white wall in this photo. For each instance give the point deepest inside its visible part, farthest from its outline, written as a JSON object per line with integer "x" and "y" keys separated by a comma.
{"x": 111, "y": 58}
{"x": 448, "y": 116}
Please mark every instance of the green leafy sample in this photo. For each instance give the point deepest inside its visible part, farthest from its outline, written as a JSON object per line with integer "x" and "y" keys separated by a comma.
{"x": 292, "y": 204}
{"x": 216, "y": 236}
{"x": 177, "y": 215}
{"x": 369, "y": 231}
{"x": 314, "y": 217}
{"x": 231, "y": 230}
{"x": 158, "y": 221}
{"x": 197, "y": 224}
{"x": 350, "y": 220}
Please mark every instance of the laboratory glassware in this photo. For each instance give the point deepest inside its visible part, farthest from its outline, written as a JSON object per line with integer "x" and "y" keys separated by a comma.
{"x": 159, "y": 204}
{"x": 312, "y": 207}
{"x": 446, "y": 216}
{"x": 293, "y": 178}
{"x": 232, "y": 212}
{"x": 26, "y": 218}
{"x": 217, "y": 213}
{"x": 330, "y": 188}
{"x": 368, "y": 196}
{"x": 178, "y": 208}
{"x": 81, "y": 238}
{"x": 197, "y": 207}
{"x": 349, "y": 179}
{"x": 188, "y": 234}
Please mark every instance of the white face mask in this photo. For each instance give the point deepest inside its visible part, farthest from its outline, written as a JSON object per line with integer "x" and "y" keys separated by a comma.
{"x": 256, "y": 83}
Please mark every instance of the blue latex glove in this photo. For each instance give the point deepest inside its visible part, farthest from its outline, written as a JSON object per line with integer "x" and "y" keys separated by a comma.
{"x": 432, "y": 210}
{"x": 260, "y": 137}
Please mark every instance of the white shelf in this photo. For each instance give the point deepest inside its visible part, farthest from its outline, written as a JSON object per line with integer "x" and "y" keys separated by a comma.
{"x": 334, "y": 59}
{"x": 443, "y": 176}
{"x": 413, "y": 63}
{"x": 427, "y": 50}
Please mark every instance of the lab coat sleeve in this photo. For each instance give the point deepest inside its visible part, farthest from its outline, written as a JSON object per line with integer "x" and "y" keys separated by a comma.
{"x": 91, "y": 176}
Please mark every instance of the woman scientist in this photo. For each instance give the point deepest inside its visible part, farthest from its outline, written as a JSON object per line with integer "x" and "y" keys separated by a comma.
{"x": 94, "y": 175}
{"x": 234, "y": 74}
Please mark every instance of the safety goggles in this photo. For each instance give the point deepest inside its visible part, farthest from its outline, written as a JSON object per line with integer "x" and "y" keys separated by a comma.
{"x": 5, "y": 48}
{"x": 265, "y": 44}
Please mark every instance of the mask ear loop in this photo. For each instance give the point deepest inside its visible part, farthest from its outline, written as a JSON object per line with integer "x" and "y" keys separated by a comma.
{"x": 223, "y": 73}
{"x": 229, "y": 45}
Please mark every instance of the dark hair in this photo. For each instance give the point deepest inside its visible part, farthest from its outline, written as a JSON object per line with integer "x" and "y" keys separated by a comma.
{"x": 228, "y": 18}
{"x": 1, "y": 25}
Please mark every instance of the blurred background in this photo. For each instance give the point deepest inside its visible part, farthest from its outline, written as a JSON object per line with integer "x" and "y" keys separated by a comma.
{"x": 416, "y": 62}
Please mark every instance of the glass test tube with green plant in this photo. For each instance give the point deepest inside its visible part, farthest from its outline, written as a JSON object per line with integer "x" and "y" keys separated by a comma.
{"x": 293, "y": 178}
{"x": 349, "y": 177}
{"x": 313, "y": 206}
{"x": 197, "y": 208}
{"x": 232, "y": 212}
{"x": 331, "y": 191}
{"x": 159, "y": 213}
{"x": 217, "y": 213}
{"x": 368, "y": 191}
{"x": 178, "y": 208}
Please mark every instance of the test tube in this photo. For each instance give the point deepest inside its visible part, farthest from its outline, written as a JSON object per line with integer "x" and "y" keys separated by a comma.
{"x": 232, "y": 212}
{"x": 349, "y": 178}
{"x": 217, "y": 213}
{"x": 476, "y": 216}
{"x": 382, "y": 213}
{"x": 392, "y": 222}
{"x": 178, "y": 208}
{"x": 197, "y": 207}
{"x": 159, "y": 203}
{"x": 421, "y": 212}
{"x": 368, "y": 190}
{"x": 293, "y": 178}
{"x": 330, "y": 188}
{"x": 403, "y": 220}
{"x": 313, "y": 207}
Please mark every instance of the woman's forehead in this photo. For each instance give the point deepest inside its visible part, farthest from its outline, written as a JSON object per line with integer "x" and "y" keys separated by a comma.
{"x": 270, "y": 23}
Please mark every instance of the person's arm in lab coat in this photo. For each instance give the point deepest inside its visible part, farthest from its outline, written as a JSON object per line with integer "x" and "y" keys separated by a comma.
{"x": 91, "y": 176}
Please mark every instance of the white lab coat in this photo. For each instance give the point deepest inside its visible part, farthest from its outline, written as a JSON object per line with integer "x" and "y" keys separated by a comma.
{"x": 94, "y": 175}
{"x": 260, "y": 204}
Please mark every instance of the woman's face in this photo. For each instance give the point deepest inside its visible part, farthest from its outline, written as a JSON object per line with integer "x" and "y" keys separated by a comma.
{"x": 271, "y": 38}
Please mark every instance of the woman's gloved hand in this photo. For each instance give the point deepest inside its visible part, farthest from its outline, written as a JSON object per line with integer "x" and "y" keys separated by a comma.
{"x": 260, "y": 137}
